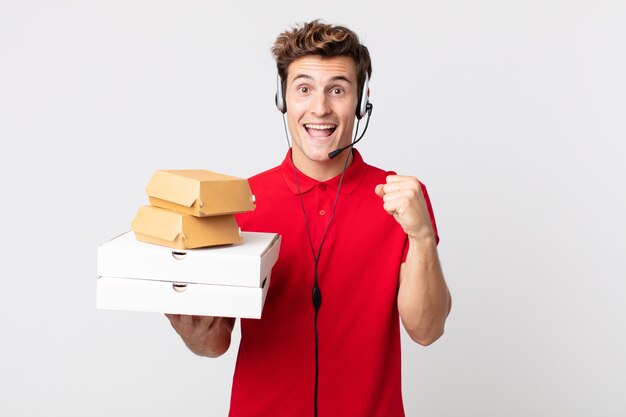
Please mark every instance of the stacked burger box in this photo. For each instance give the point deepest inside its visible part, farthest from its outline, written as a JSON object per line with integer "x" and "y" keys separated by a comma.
{"x": 214, "y": 269}
{"x": 192, "y": 209}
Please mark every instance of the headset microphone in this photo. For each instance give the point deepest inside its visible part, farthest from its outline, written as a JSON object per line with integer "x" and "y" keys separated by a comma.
{"x": 368, "y": 110}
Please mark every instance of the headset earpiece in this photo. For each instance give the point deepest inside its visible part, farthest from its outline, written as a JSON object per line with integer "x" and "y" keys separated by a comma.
{"x": 281, "y": 104}
{"x": 361, "y": 107}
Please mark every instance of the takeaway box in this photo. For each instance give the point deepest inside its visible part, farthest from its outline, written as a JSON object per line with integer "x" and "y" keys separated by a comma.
{"x": 184, "y": 231}
{"x": 199, "y": 192}
{"x": 227, "y": 281}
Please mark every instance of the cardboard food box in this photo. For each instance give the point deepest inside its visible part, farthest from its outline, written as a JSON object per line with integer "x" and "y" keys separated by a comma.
{"x": 225, "y": 281}
{"x": 184, "y": 231}
{"x": 199, "y": 192}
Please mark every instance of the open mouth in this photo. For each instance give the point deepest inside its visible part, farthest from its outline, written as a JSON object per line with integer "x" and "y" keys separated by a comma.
{"x": 320, "y": 131}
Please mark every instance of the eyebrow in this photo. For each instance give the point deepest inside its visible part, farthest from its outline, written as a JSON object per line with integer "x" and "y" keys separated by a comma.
{"x": 308, "y": 77}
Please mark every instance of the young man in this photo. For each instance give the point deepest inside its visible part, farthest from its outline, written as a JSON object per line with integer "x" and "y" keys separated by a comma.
{"x": 363, "y": 238}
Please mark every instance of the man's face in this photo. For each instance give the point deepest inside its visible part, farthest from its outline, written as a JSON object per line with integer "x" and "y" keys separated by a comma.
{"x": 321, "y": 96}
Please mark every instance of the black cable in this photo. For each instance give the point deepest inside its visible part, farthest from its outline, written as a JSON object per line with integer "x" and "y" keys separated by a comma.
{"x": 317, "y": 292}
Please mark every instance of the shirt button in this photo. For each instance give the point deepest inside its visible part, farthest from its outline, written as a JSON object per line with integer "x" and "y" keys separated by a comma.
{"x": 322, "y": 212}
{"x": 323, "y": 187}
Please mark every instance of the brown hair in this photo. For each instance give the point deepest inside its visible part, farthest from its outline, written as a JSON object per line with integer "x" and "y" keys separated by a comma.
{"x": 317, "y": 38}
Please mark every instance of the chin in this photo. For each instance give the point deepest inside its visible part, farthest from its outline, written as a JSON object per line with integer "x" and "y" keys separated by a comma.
{"x": 318, "y": 156}
{"x": 315, "y": 153}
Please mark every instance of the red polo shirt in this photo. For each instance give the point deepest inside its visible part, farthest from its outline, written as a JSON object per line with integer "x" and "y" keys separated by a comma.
{"x": 359, "y": 331}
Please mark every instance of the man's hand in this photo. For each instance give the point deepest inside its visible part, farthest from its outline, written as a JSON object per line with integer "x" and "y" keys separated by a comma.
{"x": 203, "y": 335}
{"x": 403, "y": 199}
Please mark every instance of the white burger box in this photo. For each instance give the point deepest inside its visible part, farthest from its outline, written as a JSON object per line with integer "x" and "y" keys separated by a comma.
{"x": 224, "y": 281}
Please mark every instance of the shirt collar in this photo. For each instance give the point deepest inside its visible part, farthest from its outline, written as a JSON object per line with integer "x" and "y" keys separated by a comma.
{"x": 352, "y": 178}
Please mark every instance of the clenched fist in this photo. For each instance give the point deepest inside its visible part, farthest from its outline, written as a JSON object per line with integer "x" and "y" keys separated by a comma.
{"x": 404, "y": 200}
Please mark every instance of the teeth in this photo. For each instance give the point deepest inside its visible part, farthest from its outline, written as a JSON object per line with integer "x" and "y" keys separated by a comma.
{"x": 320, "y": 127}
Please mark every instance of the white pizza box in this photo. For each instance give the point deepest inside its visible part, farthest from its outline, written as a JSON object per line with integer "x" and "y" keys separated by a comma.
{"x": 181, "y": 298}
{"x": 245, "y": 264}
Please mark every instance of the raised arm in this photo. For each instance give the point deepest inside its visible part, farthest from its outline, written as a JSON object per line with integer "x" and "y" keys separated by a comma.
{"x": 423, "y": 298}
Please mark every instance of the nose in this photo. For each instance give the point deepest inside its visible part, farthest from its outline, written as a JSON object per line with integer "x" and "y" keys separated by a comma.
{"x": 319, "y": 104}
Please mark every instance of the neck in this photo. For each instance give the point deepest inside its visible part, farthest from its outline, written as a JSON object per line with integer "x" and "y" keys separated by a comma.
{"x": 322, "y": 170}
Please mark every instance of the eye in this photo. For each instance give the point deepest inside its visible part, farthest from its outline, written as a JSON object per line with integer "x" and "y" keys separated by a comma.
{"x": 303, "y": 90}
{"x": 336, "y": 91}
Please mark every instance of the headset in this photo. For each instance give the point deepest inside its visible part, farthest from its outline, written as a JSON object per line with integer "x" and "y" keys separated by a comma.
{"x": 361, "y": 107}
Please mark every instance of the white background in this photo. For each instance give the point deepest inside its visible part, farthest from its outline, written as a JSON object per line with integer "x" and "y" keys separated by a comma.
{"x": 512, "y": 112}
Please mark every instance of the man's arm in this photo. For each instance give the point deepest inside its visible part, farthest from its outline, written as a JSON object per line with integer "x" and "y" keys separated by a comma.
{"x": 203, "y": 335}
{"x": 423, "y": 298}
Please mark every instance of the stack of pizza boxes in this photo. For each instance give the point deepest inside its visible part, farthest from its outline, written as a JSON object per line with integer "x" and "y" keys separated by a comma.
{"x": 186, "y": 254}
